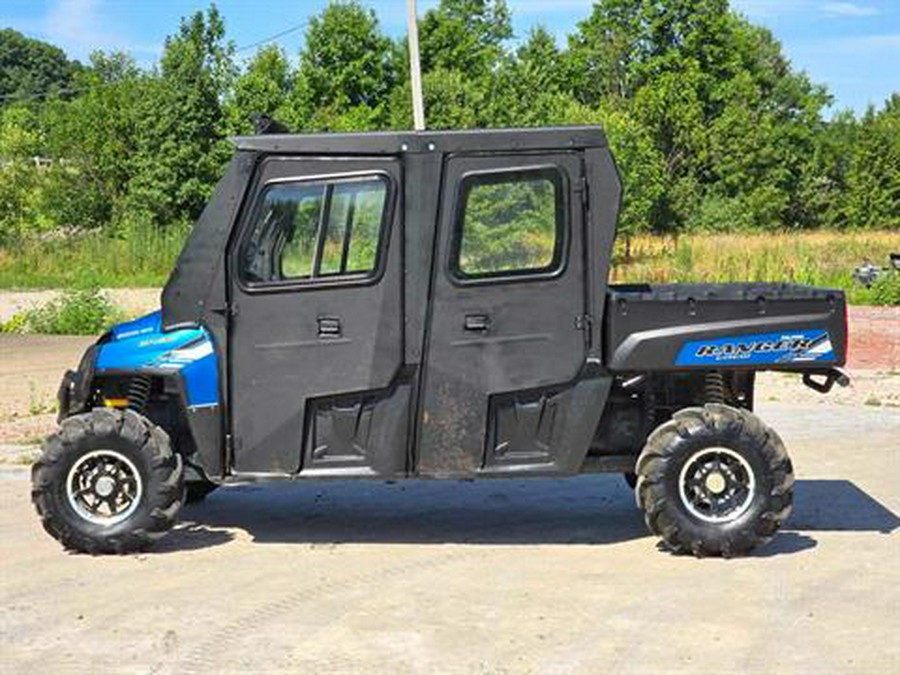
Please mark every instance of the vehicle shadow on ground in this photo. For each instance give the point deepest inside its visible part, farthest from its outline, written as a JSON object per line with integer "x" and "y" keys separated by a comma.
{"x": 582, "y": 510}
{"x": 838, "y": 506}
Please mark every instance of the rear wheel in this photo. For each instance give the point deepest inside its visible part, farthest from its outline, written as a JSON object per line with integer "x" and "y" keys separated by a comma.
{"x": 714, "y": 481}
{"x": 107, "y": 482}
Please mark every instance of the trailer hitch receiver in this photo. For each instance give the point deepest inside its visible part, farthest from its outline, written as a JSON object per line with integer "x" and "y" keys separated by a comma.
{"x": 831, "y": 377}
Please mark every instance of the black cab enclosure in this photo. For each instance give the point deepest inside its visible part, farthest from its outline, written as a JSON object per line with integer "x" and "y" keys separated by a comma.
{"x": 405, "y": 304}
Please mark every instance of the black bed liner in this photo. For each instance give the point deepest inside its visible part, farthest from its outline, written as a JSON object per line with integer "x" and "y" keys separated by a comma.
{"x": 725, "y": 291}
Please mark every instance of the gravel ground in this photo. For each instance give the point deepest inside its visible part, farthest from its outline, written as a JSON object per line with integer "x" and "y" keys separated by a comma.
{"x": 541, "y": 576}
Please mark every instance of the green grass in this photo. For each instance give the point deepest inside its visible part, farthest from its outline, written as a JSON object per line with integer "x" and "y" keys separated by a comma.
{"x": 142, "y": 259}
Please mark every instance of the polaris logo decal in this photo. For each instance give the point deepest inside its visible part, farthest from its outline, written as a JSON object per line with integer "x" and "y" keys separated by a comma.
{"x": 765, "y": 348}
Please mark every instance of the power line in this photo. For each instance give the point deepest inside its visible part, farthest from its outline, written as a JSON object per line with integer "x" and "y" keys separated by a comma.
{"x": 287, "y": 31}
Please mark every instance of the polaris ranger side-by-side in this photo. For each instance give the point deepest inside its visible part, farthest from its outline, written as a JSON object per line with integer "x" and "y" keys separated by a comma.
{"x": 405, "y": 305}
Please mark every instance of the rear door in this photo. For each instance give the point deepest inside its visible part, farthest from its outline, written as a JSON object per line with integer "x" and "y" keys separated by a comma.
{"x": 507, "y": 329}
{"x": 315, "y": 341}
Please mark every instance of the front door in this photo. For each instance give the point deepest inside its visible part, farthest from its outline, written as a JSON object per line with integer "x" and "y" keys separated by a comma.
{"x": 315, "y": 342}
{"x": 507, "y": 330}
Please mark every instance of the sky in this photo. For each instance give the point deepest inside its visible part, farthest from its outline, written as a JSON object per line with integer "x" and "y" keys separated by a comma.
{"x": 853, "y": 47}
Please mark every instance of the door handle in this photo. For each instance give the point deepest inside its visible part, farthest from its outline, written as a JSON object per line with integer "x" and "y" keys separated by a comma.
{"x": 477, "y": 323}
{"x": 329, "y": 327}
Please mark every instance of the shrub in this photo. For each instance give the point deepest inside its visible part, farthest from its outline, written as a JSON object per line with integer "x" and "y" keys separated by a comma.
{"x": 79, "y": 312}
{"x": 886, "y": 289}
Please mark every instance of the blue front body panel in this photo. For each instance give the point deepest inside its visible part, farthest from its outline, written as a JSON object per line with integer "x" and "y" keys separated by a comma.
{"x": 760, "y": 349}
{"x": 142, "y": 345}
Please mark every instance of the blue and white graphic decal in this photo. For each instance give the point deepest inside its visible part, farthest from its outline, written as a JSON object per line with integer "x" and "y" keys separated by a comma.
{"x": 141, "y": 343}
{"x": 764, "y": 348}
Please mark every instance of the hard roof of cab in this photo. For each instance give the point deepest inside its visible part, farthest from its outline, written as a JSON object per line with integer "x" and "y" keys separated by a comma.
{"x": 395, "y": 142}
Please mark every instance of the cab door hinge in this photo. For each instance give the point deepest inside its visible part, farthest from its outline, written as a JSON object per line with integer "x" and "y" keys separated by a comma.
{"x": 230, "y": 310}
{"x": 584, "y": 191}
{"x": 585, "y": 322}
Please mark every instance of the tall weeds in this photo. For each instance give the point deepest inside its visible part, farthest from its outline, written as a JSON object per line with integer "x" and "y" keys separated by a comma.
{"x": 139, "y": 257}
{"x": 144, "y": 257}
{"x": 817, "y": 258}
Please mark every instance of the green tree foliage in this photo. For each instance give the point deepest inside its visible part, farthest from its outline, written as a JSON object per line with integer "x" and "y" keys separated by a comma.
{"x": 28, "y": 67}
{"x": 529, "y": 87}
{"x": 263, "y": 88}
{"x": 735, "y": 125}
{"x": 465, "y": 35}
{"x": 346, "y": 71}
{"x": 452, "y": 102}
{"x": 21, "y": 182}
{"x": 711, "y": 127}
{"x": 181, "y": 145}
{"x": 873, "y": 177}
{"x": 602, "y": 52}
{"x": 93, "y": 142}
{"x": 465, "y": 66}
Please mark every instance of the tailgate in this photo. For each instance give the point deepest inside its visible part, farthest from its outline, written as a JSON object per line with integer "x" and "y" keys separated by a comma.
{"x": 716, "y": 326}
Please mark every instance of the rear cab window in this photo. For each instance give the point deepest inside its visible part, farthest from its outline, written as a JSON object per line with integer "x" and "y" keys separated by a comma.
{"x": 509, "y": 223}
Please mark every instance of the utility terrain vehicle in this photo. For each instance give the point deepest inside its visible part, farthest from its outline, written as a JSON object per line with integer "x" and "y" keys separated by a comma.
{"x": 406, "y": 305}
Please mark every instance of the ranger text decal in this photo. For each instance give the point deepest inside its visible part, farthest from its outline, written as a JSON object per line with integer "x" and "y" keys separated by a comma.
{"x": 764, "y": 348}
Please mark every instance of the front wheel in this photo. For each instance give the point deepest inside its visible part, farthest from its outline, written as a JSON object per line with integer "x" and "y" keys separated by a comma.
{"x": 714, "y": 481}
{"x": 107, "y": 482}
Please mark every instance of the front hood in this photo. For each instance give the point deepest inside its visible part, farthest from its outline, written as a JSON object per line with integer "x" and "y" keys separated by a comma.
{"x": 141, "y": 345}
{"x": 150, "y": 323}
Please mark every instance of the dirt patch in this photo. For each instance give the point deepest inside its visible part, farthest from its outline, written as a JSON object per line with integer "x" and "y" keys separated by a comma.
{"x": 27, "y": 429}
{"x": 874, "y": 338}
{"x": 870, "y": 388}
{"x": 31, "y": 367}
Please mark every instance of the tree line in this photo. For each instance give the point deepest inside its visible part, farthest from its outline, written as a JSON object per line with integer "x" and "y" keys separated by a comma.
{"x": 711, "y": 127}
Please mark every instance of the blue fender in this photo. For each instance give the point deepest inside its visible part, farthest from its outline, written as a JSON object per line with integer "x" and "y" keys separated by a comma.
{"x": 142, "y": 345}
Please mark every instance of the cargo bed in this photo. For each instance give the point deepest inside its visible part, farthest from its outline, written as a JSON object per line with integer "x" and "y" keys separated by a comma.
{"x": 650, "y": 327}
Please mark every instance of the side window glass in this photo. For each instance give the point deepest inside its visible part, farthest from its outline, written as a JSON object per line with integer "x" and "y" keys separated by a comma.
{"x": 510, "y": 223}
{"x": 311, "y": 230}
{"x": 295, "y": 219}
{"x": 367, "y": 226}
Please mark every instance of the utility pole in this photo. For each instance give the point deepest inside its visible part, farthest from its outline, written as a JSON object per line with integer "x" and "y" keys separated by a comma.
{"x": 415, "y": 69}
